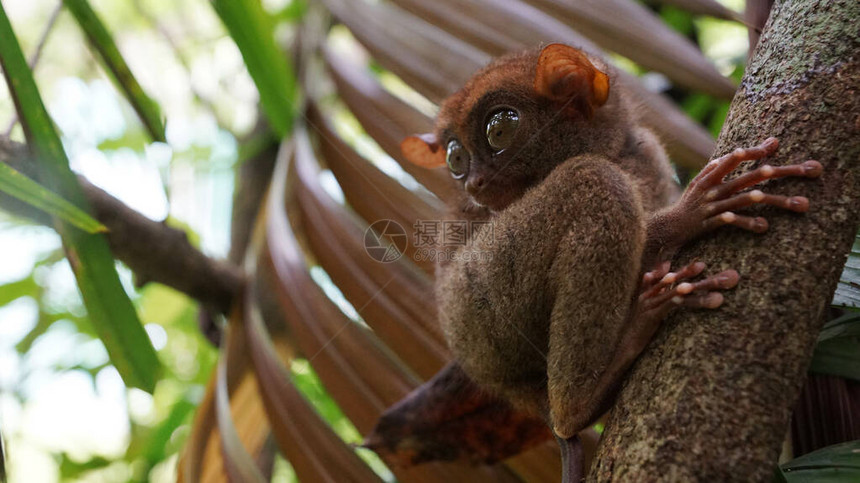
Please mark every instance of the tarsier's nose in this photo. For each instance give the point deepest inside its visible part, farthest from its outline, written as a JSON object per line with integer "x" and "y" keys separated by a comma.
{"x": 475, "y": 184}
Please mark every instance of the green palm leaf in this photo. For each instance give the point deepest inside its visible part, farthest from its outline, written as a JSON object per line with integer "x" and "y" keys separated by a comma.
{"x": 252, "y": 30}
{"x": 16, "y": 184}
{"x": 837, "y": 463}
{"x": 109, "y": 308}
{"x": 103, "y": 43}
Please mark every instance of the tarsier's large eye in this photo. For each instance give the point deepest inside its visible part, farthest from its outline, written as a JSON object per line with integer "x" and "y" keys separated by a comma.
{"x": 457, "y": 158}
{"x": 501, "y": 128}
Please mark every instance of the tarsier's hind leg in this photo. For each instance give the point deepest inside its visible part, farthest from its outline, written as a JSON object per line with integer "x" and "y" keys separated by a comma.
{"x": 660, "y": 292}
{"x": 594, "y": 276}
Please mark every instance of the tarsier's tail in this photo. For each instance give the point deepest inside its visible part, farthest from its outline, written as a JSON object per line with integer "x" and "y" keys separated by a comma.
{"x": 572, "y": 459}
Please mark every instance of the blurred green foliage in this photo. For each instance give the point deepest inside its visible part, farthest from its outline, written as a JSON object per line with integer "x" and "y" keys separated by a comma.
{"x": 110, "y": 310}
{"x": 157, "y": 432}
{"x": 839, "y": 463}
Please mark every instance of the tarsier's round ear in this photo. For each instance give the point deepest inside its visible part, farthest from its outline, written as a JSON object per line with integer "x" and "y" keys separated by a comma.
{"x": 423, "y": 150}
{"x": 565, "y": 73}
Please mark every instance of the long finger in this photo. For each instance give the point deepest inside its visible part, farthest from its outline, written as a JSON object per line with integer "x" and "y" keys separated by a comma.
{"x": 798, "y": 204}
{"x": 672, "y": 297}
{"x": 705, "y": 300}
{"x": 729, "y": 162}
{"x": 724, "y": 280}
{"x": 757, "y": 224}
{"x": 654, "y": 275}
{"x": 807, "y": 169}
{"x": 689, "y": 271}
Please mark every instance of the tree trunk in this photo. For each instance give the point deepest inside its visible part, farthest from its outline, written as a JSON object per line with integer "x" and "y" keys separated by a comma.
{"x": 711, "y": 398}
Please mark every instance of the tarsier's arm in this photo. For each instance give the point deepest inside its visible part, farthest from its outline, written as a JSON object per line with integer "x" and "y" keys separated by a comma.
{"x": 707, "y": 203}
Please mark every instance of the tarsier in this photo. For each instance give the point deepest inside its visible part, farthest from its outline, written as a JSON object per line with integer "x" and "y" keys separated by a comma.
{"x": 585, "y": 213}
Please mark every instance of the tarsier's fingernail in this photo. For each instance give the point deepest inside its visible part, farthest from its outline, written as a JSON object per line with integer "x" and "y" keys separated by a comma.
{"x": 714, "y": 300}
{"x": 760, "y": 224}
{"x": 670, "y": 277}
{"x": 677, "y": 300}
{"x": 728, "y": 217}
{"x": 699, "y": 266}
{"x": 684, "y": 288}
{"x": 770, "y": 143}
{"x": 726, "y": 279}
{"x": 767, "y": 170}
{"x": 812, "y": 168}
{"x": 756, "y": 195}
{"x": 798, "y": 203}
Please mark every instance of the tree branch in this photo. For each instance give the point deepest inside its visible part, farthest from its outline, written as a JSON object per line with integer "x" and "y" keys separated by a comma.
{"x": 711, "y": 398}
{"x": 154, "y": 251}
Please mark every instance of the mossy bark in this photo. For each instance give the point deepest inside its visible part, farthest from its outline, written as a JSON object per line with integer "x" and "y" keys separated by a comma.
{"x": 711, "y": 398}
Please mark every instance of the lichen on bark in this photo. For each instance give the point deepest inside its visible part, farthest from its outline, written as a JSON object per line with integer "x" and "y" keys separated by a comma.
{"x": 710, "y": 399}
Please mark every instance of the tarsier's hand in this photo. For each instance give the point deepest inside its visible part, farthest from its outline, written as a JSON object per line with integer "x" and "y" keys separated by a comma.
{"x": 709, "y": 202}
{"x": 661, "y": 290}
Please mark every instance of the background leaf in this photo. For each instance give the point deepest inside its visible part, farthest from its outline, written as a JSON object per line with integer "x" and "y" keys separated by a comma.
{"x": 101, "y": 40}
{"x": 109, "y": 308}
{"x": 848, "y": 291}
{"x": 839, "y": 357}
{"x": 836, "y": 464}
{"x": 838, "y": 349}
{"x": 16, "y": 184}
{"x": 847, "y": 325}
{"x": 252, "y": 30}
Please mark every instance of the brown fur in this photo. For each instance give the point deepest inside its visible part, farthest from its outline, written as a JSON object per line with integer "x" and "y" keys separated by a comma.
{"x": 539, "y": 317}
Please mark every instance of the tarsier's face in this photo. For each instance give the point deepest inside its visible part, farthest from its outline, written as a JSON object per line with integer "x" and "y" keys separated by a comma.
{"x": 489, "y": 152}
{"x": 506, "y": 129}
